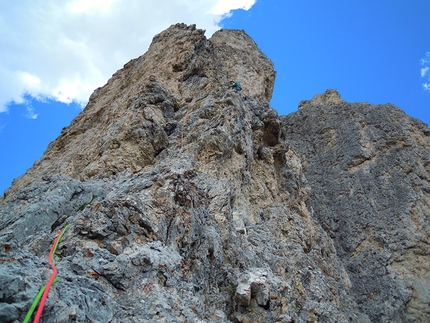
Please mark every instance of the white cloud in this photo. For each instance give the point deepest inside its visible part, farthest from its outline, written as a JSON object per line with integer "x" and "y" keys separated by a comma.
{"x": 86, "y": 5}
{"x": 65, "y": 49}
{"x": 425, "y": 62}
{"x": 31, "y": 114}
{"x": 30, "y": 81}
{"x": 223, "y": 7}
{"x": 426, "y": 59}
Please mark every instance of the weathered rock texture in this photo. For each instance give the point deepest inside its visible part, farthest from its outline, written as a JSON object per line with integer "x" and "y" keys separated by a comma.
{"x": 127, "y": 123}
{"x": 189, "y": 203}
{"x": 369, "y": 170}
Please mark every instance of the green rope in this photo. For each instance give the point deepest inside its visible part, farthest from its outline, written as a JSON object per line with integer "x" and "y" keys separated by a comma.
{"x": 39, "y": 295}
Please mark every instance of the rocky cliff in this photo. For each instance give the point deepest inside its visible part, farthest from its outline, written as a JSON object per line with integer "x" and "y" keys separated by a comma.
{"x": 191, "y": 202}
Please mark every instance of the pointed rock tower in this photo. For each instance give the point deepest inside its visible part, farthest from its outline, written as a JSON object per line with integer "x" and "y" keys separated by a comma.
{"x": 135, "y": 116}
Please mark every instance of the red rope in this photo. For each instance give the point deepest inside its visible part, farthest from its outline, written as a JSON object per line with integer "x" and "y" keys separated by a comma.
{"x": 51, "y": 280}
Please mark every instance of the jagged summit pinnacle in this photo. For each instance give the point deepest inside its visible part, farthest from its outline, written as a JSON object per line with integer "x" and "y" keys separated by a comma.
{"x": 189, "y": 65}
{"x": 329, "y": 97}
{"x": 181, "y": 65}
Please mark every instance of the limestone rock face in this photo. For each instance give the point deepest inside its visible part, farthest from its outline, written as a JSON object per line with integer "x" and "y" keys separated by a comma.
{"x": 369, "y": 170}
{"x": 127, "y": 122}
{"x": 330, "y": 97}
{"x": 188, "y": 202}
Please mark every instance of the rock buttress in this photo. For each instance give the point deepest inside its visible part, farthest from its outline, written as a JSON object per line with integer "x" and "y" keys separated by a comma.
{"x": 368, "y": 169}
{"x": 128, "y": 122}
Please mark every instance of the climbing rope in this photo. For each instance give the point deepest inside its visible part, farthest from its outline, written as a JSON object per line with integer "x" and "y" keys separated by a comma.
{"x": 43, "y": 293}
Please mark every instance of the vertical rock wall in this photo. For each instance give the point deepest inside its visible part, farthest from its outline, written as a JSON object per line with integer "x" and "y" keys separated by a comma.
{"x": 369, "y": 170}
{"x": 127, "y": 122}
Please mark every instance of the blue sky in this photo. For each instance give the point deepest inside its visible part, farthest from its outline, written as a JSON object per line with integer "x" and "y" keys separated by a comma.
{"x": 368, "y": 50}
{"x": 55, "y": 53}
